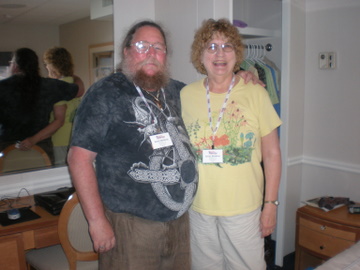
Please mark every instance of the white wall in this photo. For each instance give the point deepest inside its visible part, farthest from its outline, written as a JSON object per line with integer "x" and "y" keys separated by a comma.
{"x": 322, "y": 146}
{"x": 332, "y": 125}
{"x": 78, "y": 36}
{"x": 37, "y": 37}
{"x": 126, "y": 15}
{"x": 180, "y": 36}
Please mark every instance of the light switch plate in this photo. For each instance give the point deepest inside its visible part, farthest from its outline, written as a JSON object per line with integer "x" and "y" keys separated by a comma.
{"x": 327, "y": 60}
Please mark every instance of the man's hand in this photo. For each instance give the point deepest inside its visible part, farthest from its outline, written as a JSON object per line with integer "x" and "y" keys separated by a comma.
{"x": 249, "y": 76}
{"x": 26, "y": 144}
{"x": 102, "y": 235}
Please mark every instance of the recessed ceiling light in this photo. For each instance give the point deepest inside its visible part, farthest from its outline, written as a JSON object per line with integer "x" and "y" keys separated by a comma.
{"x": 12, "y": 6}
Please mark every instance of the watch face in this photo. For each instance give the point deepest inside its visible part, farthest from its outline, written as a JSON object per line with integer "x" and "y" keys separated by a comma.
{"x": 273, "y": 202}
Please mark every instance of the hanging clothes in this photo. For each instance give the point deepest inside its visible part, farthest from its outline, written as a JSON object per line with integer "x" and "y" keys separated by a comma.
{"x": 256, "y": 62}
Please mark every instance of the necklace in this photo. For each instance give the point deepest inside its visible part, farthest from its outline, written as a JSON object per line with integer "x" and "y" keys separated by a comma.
{"x": 156, "y": 98}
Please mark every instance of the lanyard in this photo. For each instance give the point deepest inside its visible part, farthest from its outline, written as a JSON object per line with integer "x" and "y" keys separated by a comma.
{"x": 214, "y": 130}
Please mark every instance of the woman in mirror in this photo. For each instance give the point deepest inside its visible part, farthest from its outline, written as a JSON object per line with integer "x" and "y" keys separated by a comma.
{"x": 59, "y": 64}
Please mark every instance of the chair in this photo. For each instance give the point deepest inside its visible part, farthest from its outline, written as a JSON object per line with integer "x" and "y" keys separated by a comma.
{"x": 13, "y": 159}
{"x": 76, "y": 249}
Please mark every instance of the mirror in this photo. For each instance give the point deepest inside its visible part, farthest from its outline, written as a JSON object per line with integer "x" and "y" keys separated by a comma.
{"x": 41, "y": 25}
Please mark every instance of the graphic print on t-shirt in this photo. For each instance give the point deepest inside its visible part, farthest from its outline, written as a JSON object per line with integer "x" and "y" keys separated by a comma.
{"x": 168, "y": 166}
{"x": 235, "y": 137}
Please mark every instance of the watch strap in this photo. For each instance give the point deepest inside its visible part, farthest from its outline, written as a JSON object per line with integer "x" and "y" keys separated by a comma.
{"x": 276, "y": 202}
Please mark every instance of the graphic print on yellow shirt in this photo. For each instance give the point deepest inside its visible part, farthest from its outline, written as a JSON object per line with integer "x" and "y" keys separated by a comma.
{"x": 235, "y": 186}
{"x": 236, "y": 141}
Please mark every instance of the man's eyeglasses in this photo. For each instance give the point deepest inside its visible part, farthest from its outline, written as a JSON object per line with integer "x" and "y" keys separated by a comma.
{"x": 144, "y": 46}
{"x": 213, "y": 47}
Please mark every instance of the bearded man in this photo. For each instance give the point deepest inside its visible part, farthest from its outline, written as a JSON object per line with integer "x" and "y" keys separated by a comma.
{"x": 137, "y": 196}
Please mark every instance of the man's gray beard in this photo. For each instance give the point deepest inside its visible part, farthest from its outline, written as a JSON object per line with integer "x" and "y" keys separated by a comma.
{"x": 144, "y": 81}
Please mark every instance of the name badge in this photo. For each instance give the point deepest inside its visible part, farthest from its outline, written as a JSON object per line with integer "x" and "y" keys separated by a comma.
{"x": 212, "y": 156}
{"x": 161, "y": 140}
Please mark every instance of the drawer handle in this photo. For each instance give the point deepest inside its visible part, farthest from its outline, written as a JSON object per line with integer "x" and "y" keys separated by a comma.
{"x": 323, "y": 227}
{"x": 322, "y": 247}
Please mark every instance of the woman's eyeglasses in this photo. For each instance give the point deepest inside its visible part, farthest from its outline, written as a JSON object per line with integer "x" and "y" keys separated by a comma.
{"x": 213, "y": 47}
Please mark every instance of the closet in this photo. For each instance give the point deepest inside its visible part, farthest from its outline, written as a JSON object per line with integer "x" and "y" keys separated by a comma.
{"x": 263, "y": 38}
{"x": 262, "y": 34}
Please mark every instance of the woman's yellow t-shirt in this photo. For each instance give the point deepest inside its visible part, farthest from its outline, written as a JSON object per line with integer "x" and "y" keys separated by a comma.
{"x": 236, "y": 185}
{"x": 62, "y": 136}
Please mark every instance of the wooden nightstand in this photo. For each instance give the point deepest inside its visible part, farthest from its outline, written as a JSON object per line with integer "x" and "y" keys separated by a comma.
{"x": 321, "y": 235}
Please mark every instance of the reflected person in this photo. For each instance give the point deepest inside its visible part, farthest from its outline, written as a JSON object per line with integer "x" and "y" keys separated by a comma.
{"x": 26, "y": 101}
{"x": 59, "y": 64}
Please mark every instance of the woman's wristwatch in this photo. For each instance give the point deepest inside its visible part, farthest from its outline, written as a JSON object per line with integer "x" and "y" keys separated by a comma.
{"x": 273, "y": 202}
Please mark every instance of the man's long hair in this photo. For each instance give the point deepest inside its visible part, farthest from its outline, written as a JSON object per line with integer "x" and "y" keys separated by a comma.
{"x": 29, "y": 86}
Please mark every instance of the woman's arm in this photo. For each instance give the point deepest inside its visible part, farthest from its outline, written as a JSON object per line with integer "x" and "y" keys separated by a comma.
{"x": 272, "y": 168}
{"x": 48, "y": 131}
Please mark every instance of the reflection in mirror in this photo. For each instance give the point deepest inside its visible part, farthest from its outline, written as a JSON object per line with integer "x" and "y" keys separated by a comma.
{"x": 101, "y": 61}
{"x": 13, "y": 159}
{"x": 37, "y": 26}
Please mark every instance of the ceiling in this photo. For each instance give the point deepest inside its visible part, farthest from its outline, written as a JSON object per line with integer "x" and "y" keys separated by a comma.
{"x": 57, "y": 12}
{"x": 50, "y": 12}
{"x": 318, "y": 5}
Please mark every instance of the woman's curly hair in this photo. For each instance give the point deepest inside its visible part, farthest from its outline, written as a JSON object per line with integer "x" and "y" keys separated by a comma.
{"x": 61, "y": 60}
{"x": 206, "y": 32}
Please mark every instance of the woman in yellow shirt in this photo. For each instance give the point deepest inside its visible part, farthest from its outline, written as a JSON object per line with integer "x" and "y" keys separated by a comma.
{"x": 233, "y": 129}
{"x": 59, "y": 63}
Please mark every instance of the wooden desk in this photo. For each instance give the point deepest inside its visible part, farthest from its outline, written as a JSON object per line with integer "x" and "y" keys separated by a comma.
{"x": 321, "y": 235}
{"x": 16, "y": 239}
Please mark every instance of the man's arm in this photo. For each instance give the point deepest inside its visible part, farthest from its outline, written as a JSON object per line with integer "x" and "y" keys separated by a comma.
{"x": 272, "y": 166}
{"x": 80, "y": 84}
{"x": 84, "y": 180}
